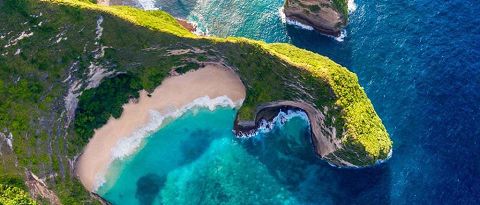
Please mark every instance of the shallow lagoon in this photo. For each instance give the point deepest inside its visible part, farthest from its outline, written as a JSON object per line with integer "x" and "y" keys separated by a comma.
{"x": 418, "y": 62}
{"x": 196, "y": 158}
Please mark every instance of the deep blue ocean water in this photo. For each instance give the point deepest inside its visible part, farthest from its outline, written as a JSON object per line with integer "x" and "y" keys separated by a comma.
{"x": 419, "y": 64}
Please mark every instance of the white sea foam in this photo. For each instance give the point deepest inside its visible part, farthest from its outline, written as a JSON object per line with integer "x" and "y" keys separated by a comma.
{"x": 281, "y": 12}
{"x": 342, "y": 36}
{"x": 147, "y": 4}
{"x": 198, "y": 30}
{"x": 298, "y": 24}
{"x": 278, "y": 121}
{"x": 10, "y": 141}
{"x": 130, "y": 144}
{"x": 386, "y": 159}
{"x": 99, "y": 29}
{"x": 292, "y": 22}
{"x": 351, "y": 6}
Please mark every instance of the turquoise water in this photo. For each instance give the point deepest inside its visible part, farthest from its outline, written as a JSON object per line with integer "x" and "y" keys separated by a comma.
{"x": 418, "y": 61}
{"x": 197, "y": 159}
{"x": 253, "y": 19}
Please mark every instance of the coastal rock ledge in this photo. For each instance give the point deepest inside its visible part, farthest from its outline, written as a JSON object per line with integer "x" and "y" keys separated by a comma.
{"x": 326, "y": 16}
{"x": 323, "y": 137}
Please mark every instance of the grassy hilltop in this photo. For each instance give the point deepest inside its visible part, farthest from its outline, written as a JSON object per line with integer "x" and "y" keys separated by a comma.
{"x": 49, "y": 48}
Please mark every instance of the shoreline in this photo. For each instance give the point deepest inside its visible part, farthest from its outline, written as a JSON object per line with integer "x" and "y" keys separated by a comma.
{"x": 213, "y": 85}
{"x": 323, "y": 137}
{"x": 190, "y": 26}
{"x": 292, "y": 22}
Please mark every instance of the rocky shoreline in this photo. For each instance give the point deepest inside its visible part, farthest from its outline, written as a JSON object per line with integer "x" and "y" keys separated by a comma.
{"x": 187, "y": 25}
{"x": 323, "y": 137}
{"x": 322, "y": 15}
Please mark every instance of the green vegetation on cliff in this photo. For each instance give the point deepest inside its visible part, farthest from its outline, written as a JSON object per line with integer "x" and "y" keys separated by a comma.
{"x": 342, "y": 7}
{"x": 47, "y": 48}
{"x": 14, "y": 196}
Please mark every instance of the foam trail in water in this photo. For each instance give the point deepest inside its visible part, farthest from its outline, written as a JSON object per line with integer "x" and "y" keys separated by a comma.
{"x": 278, "y": 121}
{"x": 148, "y": 4}
{"x": 130, "y": 144}
{"x": 282, "y": 14}
{"x": 342, "y": 36}
{"x": 351, "y": 6}
{"x": 292, "y": 22}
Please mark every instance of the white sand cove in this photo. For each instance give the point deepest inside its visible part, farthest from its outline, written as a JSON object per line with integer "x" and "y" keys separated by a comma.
{"x": 211, "y": 85}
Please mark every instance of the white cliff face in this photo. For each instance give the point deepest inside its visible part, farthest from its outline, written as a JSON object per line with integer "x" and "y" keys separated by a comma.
{"x": 96, "y": 72}
{"x": 71, "y": 100}
{"x": 6, "y": 138}
{"x": 93, "y": 76}
{"x": 21, "y": 36}
{"x": 10, "y": 141}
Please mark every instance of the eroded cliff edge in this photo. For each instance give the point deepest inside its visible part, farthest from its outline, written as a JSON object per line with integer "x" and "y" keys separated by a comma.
{"x": 323, "y": 136}
{"x": 326, "y": 16}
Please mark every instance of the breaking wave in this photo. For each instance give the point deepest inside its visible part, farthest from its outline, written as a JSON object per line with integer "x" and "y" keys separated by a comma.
{"x": 288, "y": 21}
{"x": 351, "y": 6}
{"x": 277, "y": 122}
{"x": 148, "y": 4}
{"x": 130, "y": 144}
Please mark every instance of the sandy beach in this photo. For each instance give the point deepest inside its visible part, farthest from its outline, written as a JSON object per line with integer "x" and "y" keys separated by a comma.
{"x": 214, "y": 80}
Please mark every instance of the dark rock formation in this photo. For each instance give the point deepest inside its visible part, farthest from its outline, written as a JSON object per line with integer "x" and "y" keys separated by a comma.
{"x": 326, "y": 16}
{"x": 187, "y": 25}
{"x": 323, "y": 137}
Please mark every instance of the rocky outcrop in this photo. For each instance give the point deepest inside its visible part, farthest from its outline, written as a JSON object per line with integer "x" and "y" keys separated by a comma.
{"x": 187, "y": 25}
{"x": 326, "y": 16}
{"x": 39, "y": 189}
{"x": 323, "y": 137}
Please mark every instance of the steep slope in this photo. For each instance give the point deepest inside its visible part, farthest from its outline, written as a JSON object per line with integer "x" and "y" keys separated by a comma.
{"x": 67, "y": 66}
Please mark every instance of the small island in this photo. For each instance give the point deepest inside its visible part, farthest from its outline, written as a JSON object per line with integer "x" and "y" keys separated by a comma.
{"x": 325, "y": 16}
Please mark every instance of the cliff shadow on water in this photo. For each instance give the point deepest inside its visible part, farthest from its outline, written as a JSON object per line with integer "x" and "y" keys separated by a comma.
{"x": 287, "y": 153}
{"x": 339, "y": 50}
{"x": 178, "y": 8}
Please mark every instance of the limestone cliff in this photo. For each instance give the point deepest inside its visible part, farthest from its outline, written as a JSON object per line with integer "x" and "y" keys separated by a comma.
{"x": 326, "y": 16}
